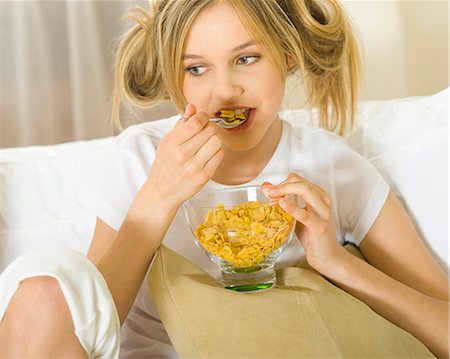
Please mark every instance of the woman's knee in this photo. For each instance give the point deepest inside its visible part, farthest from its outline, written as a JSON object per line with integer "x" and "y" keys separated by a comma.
{"x": 73, "y": 311}
{"x": 38, "y": 321}
{"x": 38, "y": 298}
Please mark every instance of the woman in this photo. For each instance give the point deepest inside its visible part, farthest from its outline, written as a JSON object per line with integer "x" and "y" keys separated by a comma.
{"x": 208, "y": 56}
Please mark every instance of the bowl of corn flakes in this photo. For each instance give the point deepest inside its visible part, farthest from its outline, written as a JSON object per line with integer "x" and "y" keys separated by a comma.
{"x": 243, "y": 232}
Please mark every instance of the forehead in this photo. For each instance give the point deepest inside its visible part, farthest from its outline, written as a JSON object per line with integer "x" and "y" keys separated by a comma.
{"x": 216, "y": 27}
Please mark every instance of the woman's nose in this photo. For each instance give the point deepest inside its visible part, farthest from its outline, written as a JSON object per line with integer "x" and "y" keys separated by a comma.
{"x": 227, "y": 86}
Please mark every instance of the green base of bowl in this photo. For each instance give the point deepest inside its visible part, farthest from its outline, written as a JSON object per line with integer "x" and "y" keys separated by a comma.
{"x": 249, "y": 280}
{"x": 250, "y": 288}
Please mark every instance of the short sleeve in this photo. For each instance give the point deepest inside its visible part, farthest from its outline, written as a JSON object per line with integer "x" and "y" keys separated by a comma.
{"x": 360, "y": 192}
{"x": 115, "y": 173}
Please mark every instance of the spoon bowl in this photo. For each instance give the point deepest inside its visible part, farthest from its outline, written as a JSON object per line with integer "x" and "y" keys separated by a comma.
{"x": 224, "y": 124}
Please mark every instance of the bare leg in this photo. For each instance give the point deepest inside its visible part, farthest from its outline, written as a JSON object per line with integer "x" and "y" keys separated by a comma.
{"x": 38, "y": 323}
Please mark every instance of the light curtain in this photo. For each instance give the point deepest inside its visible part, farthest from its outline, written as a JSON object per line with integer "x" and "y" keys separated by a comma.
{"x": 57, "y": 69}
{"x": 56, "y": 62}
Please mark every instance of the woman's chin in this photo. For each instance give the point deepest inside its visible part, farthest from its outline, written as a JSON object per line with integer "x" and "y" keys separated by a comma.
{"x": 238, "y": 145}
{"x": 253, "y": 138}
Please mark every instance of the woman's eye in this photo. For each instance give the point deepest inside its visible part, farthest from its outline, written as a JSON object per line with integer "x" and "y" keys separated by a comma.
{"x": 247, "y": 60}
{"x": 196, "y": 70}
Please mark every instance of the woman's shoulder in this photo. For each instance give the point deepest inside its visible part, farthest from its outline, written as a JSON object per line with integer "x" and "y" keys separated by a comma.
{"x": 303, "y": 130}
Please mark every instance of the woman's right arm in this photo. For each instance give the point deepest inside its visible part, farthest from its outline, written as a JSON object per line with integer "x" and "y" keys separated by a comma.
{"x": 125, "y": 261}
{"x": 186, "y": 159}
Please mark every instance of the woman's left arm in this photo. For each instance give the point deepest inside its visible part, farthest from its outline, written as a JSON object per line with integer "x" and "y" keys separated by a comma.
{"x": 403, "y": 282}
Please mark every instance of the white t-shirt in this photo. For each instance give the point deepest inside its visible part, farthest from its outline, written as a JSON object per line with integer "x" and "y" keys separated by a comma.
{"x": 356, "y": 190}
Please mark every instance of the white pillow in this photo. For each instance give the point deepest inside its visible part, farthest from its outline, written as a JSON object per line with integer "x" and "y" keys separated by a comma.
{"x": 41, "y": 202}
{"x": 407, "y": 141}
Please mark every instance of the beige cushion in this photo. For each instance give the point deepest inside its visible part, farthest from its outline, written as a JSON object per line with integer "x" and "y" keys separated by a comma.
{"x": 303, "y": 316}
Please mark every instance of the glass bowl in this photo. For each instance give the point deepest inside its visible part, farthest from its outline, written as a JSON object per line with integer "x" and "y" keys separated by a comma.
{"x": 242, "y": 232}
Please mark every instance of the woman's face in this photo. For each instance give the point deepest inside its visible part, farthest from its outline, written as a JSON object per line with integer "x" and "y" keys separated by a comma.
{"x": 224, "y": 68}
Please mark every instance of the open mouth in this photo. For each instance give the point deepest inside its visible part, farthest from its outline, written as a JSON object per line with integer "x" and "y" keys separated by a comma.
{"x": 234, "y": 117}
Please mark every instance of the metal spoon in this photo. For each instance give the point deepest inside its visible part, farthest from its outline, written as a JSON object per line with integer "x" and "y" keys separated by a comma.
{"x": 224, "y": 124}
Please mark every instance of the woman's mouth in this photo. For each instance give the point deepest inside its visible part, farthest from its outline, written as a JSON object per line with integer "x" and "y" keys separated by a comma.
{"x": 245, "y": 119}
{"x": 235, "y": 117}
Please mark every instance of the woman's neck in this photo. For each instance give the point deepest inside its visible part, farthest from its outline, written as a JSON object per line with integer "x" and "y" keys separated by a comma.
{"x": 240, "y": 167}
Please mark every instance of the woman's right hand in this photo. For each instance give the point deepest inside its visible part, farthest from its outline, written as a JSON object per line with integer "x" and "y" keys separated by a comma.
{"x": 186, "y": 158}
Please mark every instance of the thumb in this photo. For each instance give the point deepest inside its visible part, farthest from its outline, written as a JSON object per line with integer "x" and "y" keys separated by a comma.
{"x": 301, "y": 233}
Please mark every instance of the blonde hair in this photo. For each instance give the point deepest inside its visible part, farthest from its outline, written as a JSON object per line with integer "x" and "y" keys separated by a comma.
{"x": 314, "y": 35}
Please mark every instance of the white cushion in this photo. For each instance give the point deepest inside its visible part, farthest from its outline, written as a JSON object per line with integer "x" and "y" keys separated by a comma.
{"x": 405, "y": 139}
{"x": 41, "y": 203}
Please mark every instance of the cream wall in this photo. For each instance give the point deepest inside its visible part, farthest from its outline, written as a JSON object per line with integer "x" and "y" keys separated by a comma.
{"x": 56, "y": 62}
{"x": 405, "y": 46}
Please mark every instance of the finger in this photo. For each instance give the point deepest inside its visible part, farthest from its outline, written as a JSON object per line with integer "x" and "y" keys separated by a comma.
{"x": 268, "y": 187}
{"x": 265, "y": 187}
{"x": 213, "y": 163}
{"x": 191, "y": 147}
{"x": 189, "y": 111}
{"x": 308, "y": 218}
{"x": 189, "y": 128}
{"x": 307, "y": 191}
{"x": 207, "y": 151}
{"x": 295, "y": 177}
{"x": 201, "y": 170}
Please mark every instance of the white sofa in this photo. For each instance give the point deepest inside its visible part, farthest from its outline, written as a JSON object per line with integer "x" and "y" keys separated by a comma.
{"x": 406, "y": 140}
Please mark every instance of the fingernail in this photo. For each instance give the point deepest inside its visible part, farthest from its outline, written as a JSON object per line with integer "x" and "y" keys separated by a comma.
{"x": 189, "y": 110}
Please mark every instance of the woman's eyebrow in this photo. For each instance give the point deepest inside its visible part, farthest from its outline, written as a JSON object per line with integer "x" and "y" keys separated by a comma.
{"x": 237, "y": 48}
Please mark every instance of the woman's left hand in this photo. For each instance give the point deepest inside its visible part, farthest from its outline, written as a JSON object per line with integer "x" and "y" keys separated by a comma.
{"x": 315, "y": 227}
